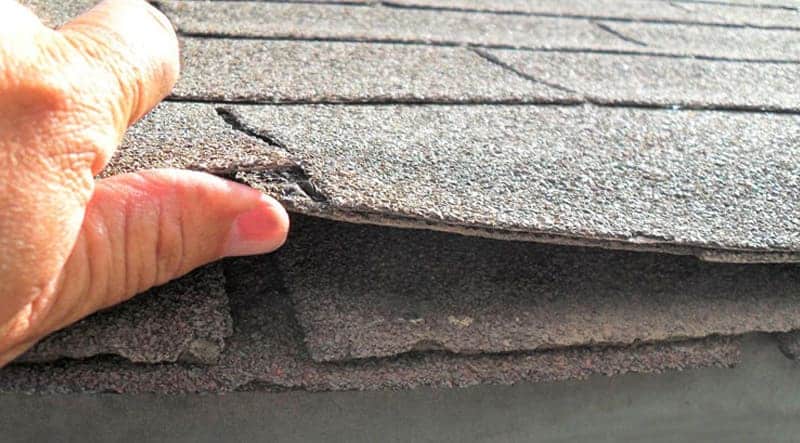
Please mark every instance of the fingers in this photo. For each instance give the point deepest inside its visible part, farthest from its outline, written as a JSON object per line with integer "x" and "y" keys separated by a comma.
{"x": 142, "y": 230}
{"x": 136, "y": 45}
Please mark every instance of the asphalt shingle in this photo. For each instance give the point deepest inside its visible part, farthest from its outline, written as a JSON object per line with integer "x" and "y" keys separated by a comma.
{"x": 187, "y": 320}
{"x": 365, "y": 291}
{"x": 283, "y": 71}
{"x": 653, "y": 80}
{"x": 266, "y": 19}
{"x": 692, "y": 182}
{"x": 714, "y": 41}
{"x": 646, "y": 10}
{"x": 266, "y": 350}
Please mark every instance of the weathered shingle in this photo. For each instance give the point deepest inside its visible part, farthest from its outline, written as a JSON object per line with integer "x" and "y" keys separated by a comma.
{"x": 365, "y": 291}
{"x": 187, "y": 319}
{"x": 652, "y": 80}
{"x": 308, "y": 21}
{"x": 267, "y": 348}
{"x": 677, "y": 181}
{"x": 290, "y": 71}
{"x": 714, "y": 41}
{"x": 636, "y": 10}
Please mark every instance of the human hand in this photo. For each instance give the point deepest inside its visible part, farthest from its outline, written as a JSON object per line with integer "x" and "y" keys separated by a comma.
{"x": 72, "y": 245}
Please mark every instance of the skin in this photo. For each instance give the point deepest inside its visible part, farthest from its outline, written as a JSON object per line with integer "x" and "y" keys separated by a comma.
{"x": 72, "y": 245}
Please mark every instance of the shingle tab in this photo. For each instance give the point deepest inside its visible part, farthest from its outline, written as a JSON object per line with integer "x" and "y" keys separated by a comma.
{"x": 646, "y": 10}
{"x": 187, "y": 319}
{"x": 680, "y": 181}
{"x": 266, "y": 19}
{"x": 283, "y": 71}
{"x": 667, "y": 81}
{"x": 713, "y": 41}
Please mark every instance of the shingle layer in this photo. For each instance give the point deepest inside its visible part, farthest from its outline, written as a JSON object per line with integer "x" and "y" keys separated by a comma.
{"x": 266, "y": 351}
{"x": 637, "y": 178}
{"x": 364, "y": 291}
{"x": 187, "y": 320}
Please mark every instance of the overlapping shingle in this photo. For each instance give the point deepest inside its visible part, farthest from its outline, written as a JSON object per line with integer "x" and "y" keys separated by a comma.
{"x": 267, "y": 348}
{"x": 666, "y": 81}
{"x": 714, "y": 41}
{"x": 187, "y": 320}
{"x": 290, "y": 71}
{"x": 636, "y": 10}
{"x": 309, "y": 21}
{"x": 676, "y": 181}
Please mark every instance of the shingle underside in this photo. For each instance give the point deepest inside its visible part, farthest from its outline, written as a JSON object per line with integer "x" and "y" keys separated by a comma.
{"x": 594, "y": 187}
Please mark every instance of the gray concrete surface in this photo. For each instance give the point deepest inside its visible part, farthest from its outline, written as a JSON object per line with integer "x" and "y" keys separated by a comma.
{"x": 758, "y": 401}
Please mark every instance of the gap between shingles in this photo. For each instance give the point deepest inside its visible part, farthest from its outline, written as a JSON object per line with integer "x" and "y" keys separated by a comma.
{"x": 451, "y": 44}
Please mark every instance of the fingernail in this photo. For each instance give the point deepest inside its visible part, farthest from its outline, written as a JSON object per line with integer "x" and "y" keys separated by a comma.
{"x": 259, "y": 230}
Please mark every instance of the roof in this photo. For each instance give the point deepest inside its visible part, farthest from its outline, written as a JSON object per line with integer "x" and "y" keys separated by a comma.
{"x": 481, "y": 192}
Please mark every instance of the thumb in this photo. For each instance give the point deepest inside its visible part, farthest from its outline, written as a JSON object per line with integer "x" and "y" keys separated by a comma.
{"x": 144, "y": 229}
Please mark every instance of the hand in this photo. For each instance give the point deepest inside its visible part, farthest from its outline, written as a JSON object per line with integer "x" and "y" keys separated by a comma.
{"x": 70, "y": 244}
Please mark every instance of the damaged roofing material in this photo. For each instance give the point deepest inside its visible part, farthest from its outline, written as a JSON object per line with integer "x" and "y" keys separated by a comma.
{"x": 185, "y": 320}
{"x": 719, "y": 185}
{"x": 366, "y": 291}
{"x": 266, "y": 351}
{"x": 420, "y": 114}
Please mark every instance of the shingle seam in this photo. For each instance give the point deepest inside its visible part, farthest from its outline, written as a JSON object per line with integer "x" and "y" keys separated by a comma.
{"x": 496, "y": 61}
{"x": 618, "y": 34}
{"x": 294, "y": 173}
{"x": 444, "y": 43}
{"x": 665, "y": 21}
{"x": 739, "y": 5}
{"x": 585, "y": 100}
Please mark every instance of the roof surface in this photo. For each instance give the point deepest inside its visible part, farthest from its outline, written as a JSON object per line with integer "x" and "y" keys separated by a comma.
{"x": 576, "y": 174}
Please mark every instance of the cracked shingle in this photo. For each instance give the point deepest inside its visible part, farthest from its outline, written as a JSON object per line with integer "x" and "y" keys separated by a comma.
{"x": 342, "y": 72}
{"x": 694, "y": 182}
{"x": 621, "y": 79}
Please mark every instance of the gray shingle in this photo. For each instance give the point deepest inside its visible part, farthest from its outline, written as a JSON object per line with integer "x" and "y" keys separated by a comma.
{"x": 264, "y": 19}
{"x": 364, "y": 291}
{"x": 187, "y": 319}
{"x": 188, "y": 135}
{"x": 625, "y": 9}
{"x": 678, "y": 181}
{"x": 267, "y": 348}
{"x": 713, "y": 41}
{"x": 617, "y": 78}
{"x": 325, "y": 71}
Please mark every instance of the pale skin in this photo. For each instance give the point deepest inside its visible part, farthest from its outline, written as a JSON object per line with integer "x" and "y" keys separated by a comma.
{"x": 70, "y": 244}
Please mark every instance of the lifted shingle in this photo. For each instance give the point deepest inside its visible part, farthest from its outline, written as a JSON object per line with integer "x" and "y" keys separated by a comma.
{"x": 720, "y": 185}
